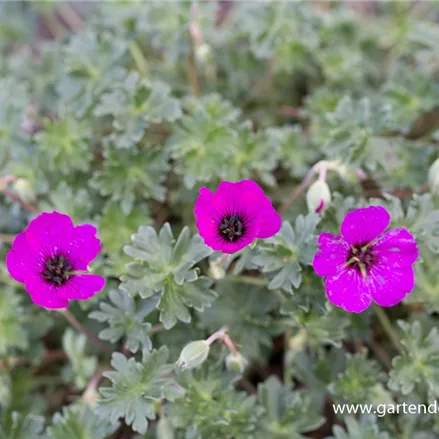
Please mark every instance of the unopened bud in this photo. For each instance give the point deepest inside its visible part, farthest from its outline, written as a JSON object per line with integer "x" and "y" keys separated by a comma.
{"x": 216, "y": 271}
{"x": 203, "y": 52}
{"x": 193, "y": 355}
{"x": 297, "y": 342}
{"x": 24, "y": 190}
{"x": 236, "y": 363}
{"x": 433, "y": 176}
{"x": 318, "y": 196}
{"x": 90, "y": 396}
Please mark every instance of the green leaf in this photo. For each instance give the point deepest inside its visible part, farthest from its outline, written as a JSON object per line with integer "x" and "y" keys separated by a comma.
{"x": 90, "y": 68}
{"x": 126, "y": 319}
{"x": 136, "y": 387}
{"x": 131, "y": 174}
{"x": 82, "y": 367}
{"x": 205, "y": 137}
{"x": 282, "y": 255}
{"x": 356, "y": 383}
{"x": 80, "y": 421}
{"x": 321, "y": 326}
{"x": 418, "y": 368}
{"x": 22, "y": 427}
{"x": 288, "y": 413}
{"x": 113, "y": 218}
{"x": 135, "y": 105}
{"x": 12, "y": 331}
{"x": 251, "y": 156}
{"x": 246, "y": 311}
{"x": 65, "y": 145}
{"x": 165, "y": 266}
{"x": 212, "y": 409}
{"x": 73, "y": 202}
{"x": 365, "y": 429}
{"x": 291, "y": 148}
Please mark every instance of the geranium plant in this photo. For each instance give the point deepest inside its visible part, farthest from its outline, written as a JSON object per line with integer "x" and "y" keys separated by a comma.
{"x": 219, "y": 220}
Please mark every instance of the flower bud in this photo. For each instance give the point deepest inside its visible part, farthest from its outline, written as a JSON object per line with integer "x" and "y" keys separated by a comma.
{"x": 24, "y": 190}
{"x": 216, "y": 271}
{"x": 203, "y": 52}
{"x": 90, "y": 396}
{"x": 298, "y": 341}
{"x": 433, "y": 176}
{"x": 193, "y": 354}
{"x": 236, "y": 363}
{"x": 318, "y": 196}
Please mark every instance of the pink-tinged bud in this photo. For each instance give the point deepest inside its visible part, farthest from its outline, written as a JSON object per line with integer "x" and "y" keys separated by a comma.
{"x": 318, "y": 196}
{"x": 193, "y": 354}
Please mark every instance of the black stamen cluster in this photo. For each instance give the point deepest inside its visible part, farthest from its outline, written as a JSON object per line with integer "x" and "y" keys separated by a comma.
{"x": 232, "y": 228}
{"x": 57, "y": 270}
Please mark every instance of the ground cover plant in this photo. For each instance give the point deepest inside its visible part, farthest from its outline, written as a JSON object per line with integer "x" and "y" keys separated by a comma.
{"x": 219, "y": 220}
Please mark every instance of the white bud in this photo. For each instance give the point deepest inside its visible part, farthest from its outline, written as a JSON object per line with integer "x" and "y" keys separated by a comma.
{"x": 297, "y": 342}
{"x": 236, "y": 363}
{"x": 193, "y": 354}
{"x": 203, "y": 52}
{"x": 318, "y": 196}
{"x": 25, "y": 190}
{"x": 216, "y": 271}
{"x": 433, "y": 176}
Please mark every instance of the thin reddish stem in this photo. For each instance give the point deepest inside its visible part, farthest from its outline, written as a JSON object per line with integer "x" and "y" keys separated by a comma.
{"x": 78, "y": 326}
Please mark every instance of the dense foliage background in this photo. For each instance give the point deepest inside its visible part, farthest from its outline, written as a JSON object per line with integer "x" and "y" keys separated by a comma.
{"x": 116, "y": 113}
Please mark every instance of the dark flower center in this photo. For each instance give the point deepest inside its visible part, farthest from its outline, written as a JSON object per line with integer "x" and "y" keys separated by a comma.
{"x": 232, "y": 228}
{"x": 57, "y": 270}
{"x": 362, "y": 257}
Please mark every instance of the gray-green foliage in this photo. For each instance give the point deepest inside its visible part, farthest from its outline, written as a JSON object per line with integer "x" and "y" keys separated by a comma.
{"x": 119, "y": 120}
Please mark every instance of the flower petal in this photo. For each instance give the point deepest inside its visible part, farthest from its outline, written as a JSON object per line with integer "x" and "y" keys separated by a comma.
{"x": 361, "y": 226}
{"x": 396, "y": 248}
{"x": 49, "y": 233}
{"x": 81, "y": 287}
{"x": 83, "y": 247}
{"x": 228, "y": 197}
{"x": 348, "y": 290}
{"x": 334, "y": 253}
{"x": 209, "y": 227}
{"x": 270, "y": 221}
{"x": 388, "y": 285}
{"x": 44, "y": 293}
{"x": 21, "y": 261}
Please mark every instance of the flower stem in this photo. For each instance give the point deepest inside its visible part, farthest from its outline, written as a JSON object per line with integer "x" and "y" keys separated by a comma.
{"x": 298, "y": 191}
{"x": 388, "y": 328}
{"x": 17, "y": 199}
{"x": 248, "y": 280}
{"x": 216, "y": 335}
{"x": 78, "y": 326}
{"x": 229, "y": 343}
{"x": 138, "y": 57}
{"x": 6, "y": 238}
{"x": 156, "y": 328}
{"x": 69, "y": 15}
{"x": 193, "y": 74}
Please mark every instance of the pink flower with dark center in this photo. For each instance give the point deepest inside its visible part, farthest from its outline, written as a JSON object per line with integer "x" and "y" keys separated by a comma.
{"x": 51, "y": 258}
{"x": 232, "y": 217}
{"x": 363, "y": 264}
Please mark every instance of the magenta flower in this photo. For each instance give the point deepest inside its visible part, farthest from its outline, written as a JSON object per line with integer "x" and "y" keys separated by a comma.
{"x": 51, "y": 257}
{"x": 233, "y": 216}
{"x": 363, "y": 264}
